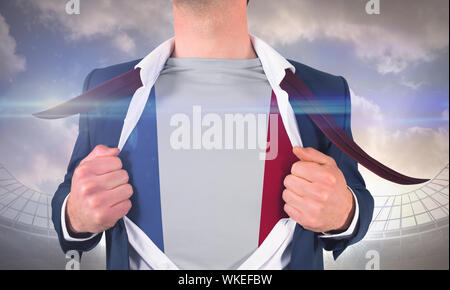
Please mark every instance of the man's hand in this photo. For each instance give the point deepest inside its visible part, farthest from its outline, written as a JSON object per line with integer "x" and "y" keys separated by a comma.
{"x": 100, "y": 192}
{"x": 316, "y": 194}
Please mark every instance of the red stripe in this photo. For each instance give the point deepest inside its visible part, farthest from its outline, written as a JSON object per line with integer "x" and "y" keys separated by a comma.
{"x": 274, "y": 173}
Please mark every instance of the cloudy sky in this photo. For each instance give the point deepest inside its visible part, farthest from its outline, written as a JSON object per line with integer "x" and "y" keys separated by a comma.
{"x": 397, "y": 64}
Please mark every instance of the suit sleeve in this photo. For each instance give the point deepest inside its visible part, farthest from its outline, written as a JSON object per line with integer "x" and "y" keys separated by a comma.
{"x": 356, "y": 182}
{"x": 81, "y": 150}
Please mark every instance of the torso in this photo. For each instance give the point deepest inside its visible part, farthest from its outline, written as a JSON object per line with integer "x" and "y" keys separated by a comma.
{"x": 210, "y": 197}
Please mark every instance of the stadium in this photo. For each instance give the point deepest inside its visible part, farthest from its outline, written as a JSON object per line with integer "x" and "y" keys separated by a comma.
{"x": 409, "y": 231}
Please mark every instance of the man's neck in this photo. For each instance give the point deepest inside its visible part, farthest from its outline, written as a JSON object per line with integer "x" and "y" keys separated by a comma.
{"x": 216, "y": 32}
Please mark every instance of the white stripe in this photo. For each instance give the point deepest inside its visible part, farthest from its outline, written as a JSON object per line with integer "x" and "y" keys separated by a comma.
{"x": 269, "y": 256}
{"x": 146, "y": 249}
{"x": 271, "y": 253}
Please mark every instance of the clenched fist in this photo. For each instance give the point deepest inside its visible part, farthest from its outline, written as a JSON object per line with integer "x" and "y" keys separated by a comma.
{"x": 316, "y": 194}
{"x": 100, "y": 193}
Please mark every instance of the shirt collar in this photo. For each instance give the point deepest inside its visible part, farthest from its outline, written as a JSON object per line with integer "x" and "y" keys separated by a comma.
{"x": 152, "y": 65}
{"x": 273, "y": 63}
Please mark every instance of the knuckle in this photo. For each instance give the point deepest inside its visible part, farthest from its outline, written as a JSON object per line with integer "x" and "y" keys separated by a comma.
{"x": 99, "y": 217}
{"x": 296, "y": 167}
{"x": 117, "y": 162}
{"x": 287, "y": 209}
{"x": 124, "y": 175}
{"x": 127, "y": 206}
{"x": 85, "y": 188}
{"x": 325, "y": 197}
{"x": 92, "y": 202}
{"x": 285, "y": 181}
{"x": 80, "y": 171}
{"x": 285, "y": 195}
{"x": 129, "y": 189}
{"x": 310, "y": 151}
{"x": 288, "y": 180}
{"x": 323, "y": 193}
{"x": 99, "y": 147}
{"x": 331, "y": 161}
{"x": 331, "y": 179}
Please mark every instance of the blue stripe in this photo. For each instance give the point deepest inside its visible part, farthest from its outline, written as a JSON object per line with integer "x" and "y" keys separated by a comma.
{"x": 140, "y": 159}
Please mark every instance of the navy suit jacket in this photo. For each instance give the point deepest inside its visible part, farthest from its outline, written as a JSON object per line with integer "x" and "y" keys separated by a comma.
{"x": 103, "y": 126}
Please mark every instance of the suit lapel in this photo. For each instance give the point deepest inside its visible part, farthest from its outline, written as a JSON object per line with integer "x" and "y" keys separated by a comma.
{"x": 140, "y": 158}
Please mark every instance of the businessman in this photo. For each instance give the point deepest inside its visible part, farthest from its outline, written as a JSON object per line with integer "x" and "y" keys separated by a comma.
{"x": 172, "y": 187}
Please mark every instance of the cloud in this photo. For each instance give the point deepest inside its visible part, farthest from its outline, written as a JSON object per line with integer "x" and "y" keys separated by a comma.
{"x": 415, "y": 151}
{"x": 39, "y": 155}
{"x": 48, "y": 169}
{"x": 123, "y": 23}
{"x": 405, "y": 33}
{"x": 10, "y": 63}
{"x": 125, "y": 43}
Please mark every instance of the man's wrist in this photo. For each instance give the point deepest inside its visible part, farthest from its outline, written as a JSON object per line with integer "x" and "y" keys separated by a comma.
{"x": 350, "y": 215}
{"x": 351, "y": 228}
{"x": 73, "y": 233}
{"x": 65, "y": 228}
{"x": 70, "y": 229}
